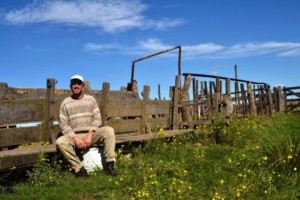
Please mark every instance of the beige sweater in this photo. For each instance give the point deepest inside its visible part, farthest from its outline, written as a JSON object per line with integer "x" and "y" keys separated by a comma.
{"x": 79, "y": 115}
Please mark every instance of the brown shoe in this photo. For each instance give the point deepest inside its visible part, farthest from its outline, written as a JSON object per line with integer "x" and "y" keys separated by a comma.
{"x": 82, "y": 173}
{"x": 110, "y": 169}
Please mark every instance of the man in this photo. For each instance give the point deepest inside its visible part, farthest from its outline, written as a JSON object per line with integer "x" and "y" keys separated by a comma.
{"x": 80, "y": 120}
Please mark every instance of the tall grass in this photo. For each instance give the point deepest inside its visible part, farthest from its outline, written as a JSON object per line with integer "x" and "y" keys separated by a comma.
{"x": 253, "y": 158}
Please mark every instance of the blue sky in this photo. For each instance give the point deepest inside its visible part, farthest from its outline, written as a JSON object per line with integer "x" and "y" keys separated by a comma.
{"x": 99, "y": 39}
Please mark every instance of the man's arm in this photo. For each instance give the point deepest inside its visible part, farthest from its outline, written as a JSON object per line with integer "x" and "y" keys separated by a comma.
{"x": 64, "y": 122}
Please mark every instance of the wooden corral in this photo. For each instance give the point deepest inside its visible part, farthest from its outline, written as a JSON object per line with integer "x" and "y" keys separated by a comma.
{"x": 29, "y": 116}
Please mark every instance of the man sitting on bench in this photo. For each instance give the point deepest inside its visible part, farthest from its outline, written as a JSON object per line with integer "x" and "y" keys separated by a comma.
{"x": 80, "y": 120}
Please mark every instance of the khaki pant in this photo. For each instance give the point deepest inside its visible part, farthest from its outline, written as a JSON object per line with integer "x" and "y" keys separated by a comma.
{"x": 103, "y": 136}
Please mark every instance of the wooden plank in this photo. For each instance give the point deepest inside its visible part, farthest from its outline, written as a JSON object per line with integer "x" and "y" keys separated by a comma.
{"x": 21, "y": 111}
{"x": 23, "y": 156}
{"x": 160, "y": 122}
{"x": 56, "y": 109}
{"x": 123, "y": 107}
{"x": 137, "y": 137}
{"x": 26, "y": 135}
{"x": 121, "y": 125}
{"x": 158, "y": 107}
{"x": 192, "y": 124}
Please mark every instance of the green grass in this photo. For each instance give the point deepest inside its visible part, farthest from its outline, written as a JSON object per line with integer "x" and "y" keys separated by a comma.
{"x": 253, "y": 158}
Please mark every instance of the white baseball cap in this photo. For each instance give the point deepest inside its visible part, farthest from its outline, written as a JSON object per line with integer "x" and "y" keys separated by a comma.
{"x": 77, "y": 77}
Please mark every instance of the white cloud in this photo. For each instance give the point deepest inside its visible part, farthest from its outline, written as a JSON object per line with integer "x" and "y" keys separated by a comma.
{"x": 152, "y": 45}
{"x": 290, "y": 53}
{"x": 109, "y": 15}
{"x": 256, "y": 49}
{"x": 205, "y": 50}
{"x": 99, "y": 47}
{"x": 164, "y": 23}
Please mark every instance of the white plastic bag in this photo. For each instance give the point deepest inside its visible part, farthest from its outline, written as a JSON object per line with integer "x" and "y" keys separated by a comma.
{"x": 92, "y": 160}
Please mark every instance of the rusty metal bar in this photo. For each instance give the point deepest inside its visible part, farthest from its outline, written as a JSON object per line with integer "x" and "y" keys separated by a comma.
{"x": 155, "y": 54}
{"x": 222, "y": 77}
{"x": 291, "y": 88}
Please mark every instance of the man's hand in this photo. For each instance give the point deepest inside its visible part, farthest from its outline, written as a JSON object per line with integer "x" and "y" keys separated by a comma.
{"x": 80, "y": 144}
{"x": 88, "y": 139}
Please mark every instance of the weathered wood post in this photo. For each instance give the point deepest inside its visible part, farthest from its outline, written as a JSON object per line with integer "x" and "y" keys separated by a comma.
{"x": 211, "y": 104}
{"x": 228, "y": 102}
{"x": 215, "y": 104}
{"x": 285, "y": 98}
{"x": 228, "y": 87}
{"x": 252, "y": 106}
{"x": 87, "y": 88}
{"x": 261, "y": 99}
{"x": 144, "y": 124}
{"x": 50, "y": 95}
{"x": 207, "y": 92}
{"x": 186, "y": 117}
{"x": 280, "y": 99}
{"x": 3, "y": 90}
{"x": 174, "y": 95}
{"x": 275, "y": 99}
{"x": 202, "y": 99}
{"x": 159, "y": 95}
{"x": 197, "y": 117}
{"x": 269, "y": 99}
{"x": 195, "y": 99}
{"x": 104, "y": 101}
{"x": 236, "y": 90}
{"x": 220, "y": 89}
{"x": 243, "y": 96}
{"x": 237, "y": 98}
{"x": 218, "y": 86}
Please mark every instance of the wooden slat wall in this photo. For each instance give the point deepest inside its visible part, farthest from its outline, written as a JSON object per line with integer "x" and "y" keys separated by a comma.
{"x": 158, "y": 114}
{"x": 123, "y": 126}
{"x": 22, "y": 111}
{"x": 158, "y": 107}
{"x": 25, "y": 135}
{"x": 122, "y": 104}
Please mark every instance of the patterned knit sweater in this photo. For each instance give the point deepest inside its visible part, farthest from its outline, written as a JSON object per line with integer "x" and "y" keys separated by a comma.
{"x": 79, "y": 115}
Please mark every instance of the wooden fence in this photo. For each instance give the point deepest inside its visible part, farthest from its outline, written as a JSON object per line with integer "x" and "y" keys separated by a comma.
{"x": 29, "y": 116}
{"x": 292, "y": 99}
{"x": 29, "y": 119}
{"x": 234, "y": 97}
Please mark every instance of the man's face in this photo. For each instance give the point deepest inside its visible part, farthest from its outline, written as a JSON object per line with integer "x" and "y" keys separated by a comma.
{"x": 76, "y": 86}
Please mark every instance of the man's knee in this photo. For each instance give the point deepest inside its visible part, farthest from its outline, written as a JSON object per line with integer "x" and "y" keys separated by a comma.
{"x": 108, "y": 129}
{"x": 62, "y": 141}
{"x": 58, "y": 141}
